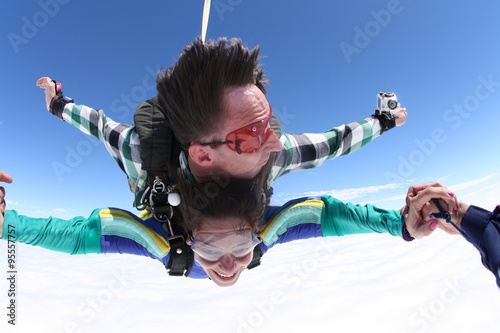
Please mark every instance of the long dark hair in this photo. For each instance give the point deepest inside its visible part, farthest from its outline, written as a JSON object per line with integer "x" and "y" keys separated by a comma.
{"x": 220, "y": 199}
{"x": 223, "y": 197}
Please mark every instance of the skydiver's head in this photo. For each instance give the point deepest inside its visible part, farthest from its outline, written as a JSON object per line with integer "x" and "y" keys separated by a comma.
{"x": 214, "y": 99}
{"x": 223, "y": 218}
{"x": 223, "y": 248}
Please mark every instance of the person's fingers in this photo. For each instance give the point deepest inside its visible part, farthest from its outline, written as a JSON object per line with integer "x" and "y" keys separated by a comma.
{"x": 5, "y": 177}
{"x": 417, "y": 226}
{"x": 427, "y": 191}
{"x": 44, "y": 82}
{"x": 415, "y": 189}
{"x": 441, "y": 223}
{"x": 400, "y": 110}
{"x": 400, "y": 115}
{"x": 447, "y": 199}
{"x": 41, "y": 82}
{"x": 420, "y": 206}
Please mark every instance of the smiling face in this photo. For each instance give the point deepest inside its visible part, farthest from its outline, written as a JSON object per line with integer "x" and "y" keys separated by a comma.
{"x": 223, "y": 248}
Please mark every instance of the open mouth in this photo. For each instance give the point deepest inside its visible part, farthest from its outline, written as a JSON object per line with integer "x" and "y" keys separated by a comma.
{"x": 224, "y": 276}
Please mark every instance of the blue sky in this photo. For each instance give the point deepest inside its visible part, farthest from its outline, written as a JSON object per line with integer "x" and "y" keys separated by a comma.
{"x": 326, "y": 61}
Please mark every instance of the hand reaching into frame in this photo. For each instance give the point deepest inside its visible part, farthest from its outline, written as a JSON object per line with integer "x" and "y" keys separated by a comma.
{"x": 50, "y": 91}
{"x": 419, "y": 207}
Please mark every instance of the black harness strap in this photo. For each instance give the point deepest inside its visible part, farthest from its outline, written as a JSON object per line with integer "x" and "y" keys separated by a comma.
{"x": 158, "y": 150}
{"x": 181, "y": 257}
{"x": 257, "y": 255}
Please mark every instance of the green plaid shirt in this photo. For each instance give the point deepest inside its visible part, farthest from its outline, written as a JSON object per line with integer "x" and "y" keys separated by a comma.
{"x": 300, "y": 151}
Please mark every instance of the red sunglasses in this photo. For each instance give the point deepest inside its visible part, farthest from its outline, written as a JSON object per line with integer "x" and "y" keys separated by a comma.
{"x": 248, "y": 138}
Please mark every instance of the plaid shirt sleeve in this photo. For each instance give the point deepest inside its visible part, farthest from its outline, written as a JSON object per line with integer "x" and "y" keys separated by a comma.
{"x": 121, "y": 141}
{"x": 310, "y": 150}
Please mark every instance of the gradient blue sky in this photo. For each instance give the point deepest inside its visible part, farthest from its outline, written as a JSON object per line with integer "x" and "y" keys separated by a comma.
{"x": 326, "y": 61}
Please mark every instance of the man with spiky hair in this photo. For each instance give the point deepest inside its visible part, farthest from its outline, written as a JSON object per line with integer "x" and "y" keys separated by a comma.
{"x": 215, "y": 103}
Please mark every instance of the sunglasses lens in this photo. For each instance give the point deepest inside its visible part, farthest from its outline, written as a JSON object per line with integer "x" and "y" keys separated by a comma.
{"x": 249, "y": 138}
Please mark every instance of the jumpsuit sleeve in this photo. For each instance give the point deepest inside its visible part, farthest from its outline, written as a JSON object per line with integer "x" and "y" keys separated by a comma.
{"x": 310, "y": 150}
{"x": 481, "y": 228}
{"x": 78, "y": 235}
{"x": 109, "y": 230}
{"x": 120, "y": 140}
{"x": 340, "y": 219}
{"x": 324, "y": 217}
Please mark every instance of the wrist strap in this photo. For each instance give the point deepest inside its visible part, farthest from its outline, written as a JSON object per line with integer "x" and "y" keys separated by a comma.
{"x": 59, "y": 101}
{"x": 386, "y": 118}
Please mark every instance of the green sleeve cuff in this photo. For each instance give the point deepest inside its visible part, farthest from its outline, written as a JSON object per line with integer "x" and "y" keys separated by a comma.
{"x": 75, "y": 236}
{"x": 340, "y": 219}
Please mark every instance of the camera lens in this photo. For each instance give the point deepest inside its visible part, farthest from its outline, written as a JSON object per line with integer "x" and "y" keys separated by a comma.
{"x": 392, "y": 104}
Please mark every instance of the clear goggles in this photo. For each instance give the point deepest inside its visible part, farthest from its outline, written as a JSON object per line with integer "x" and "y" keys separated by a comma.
{"x": 212, "y": 246}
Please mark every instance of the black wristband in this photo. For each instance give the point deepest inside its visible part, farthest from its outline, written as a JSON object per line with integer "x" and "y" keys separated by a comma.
{"x": 386, "y": 118}
{"x": 58, "y": 103}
